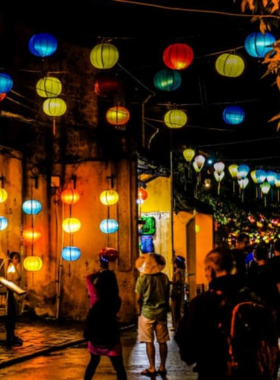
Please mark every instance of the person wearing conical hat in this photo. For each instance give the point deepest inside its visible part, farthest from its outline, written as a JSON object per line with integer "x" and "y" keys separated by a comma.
{"x": 152, "y": 306}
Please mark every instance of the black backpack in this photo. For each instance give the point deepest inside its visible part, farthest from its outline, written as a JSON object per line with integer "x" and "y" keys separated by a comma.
{"x": 248, "y": 328}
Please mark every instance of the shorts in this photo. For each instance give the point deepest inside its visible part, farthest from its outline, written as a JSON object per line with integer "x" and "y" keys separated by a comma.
{"x": 149, "y": 328}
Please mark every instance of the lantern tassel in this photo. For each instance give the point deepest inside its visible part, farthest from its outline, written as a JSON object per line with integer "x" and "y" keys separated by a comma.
{"x": 54, "y": 127}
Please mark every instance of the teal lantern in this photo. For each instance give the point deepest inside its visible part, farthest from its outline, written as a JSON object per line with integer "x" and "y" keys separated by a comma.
{"x": 167, "y": 80}
{"x": 42, "y": 45}
{"x": 3, "y": 223}
{"x": 260, "y": 175}
{"x": 258, "y": 44}
{"x": 6, "y": 83}
{"x": 71, "y": 253}
{"x": 32, "y": 207}
{"x": 109, "y": 226}
{"x": 233, "y": 115}
{"x": 271, "y": 177}
{"x": 242, "y": 171}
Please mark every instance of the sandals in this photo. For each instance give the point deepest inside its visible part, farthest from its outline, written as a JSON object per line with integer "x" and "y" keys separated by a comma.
{"x": 162, "y": 373}
{"x": 147, "y": 372}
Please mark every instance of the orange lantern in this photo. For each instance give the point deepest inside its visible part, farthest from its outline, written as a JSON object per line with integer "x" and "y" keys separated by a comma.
{"x": 118, "y": 115}
{"x": 70, "y": 196}
{"x": 142, "y": 194}
{"x": 2, "y": 96}
{"x": 31, "y": 235}
{"x": 178, "y": 56}
{"x": 33, "y": 263}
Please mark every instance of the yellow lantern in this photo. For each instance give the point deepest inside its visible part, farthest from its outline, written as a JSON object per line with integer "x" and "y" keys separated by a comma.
{"x": 54, "y": 107}
{"x": 188, "y": 154}
{"x": 117, "y": 115}
{"x": 175, "y": 119}
{"x": 31, "y": 235}
{"x": 104, "y": 56}
{"x": 109, "y": 197}
{"x": 49, "y": 87}
{"x": 3, "y": 195}
{"x": 230, "y": 65}
{"x": 71, "y": 225}
{"x": 33, "y": 263}
{"x": 233, "y": 171}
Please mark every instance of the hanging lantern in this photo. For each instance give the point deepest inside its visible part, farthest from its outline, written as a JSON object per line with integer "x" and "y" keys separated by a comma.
{"x": 106, "y": 85}
{"x": 188, "y": 154}
{"x": 242, "y": 171}
{"x": 71, "y": 225}
{"x": 219, "y": 167}
{"x": 254, "y": 178}
{"x": 42, "y": 45}
{"x": 260, "y": 175}
{"x": 32, "y": 207}
{"x": 142, "y": 194}
{"x": 49, "y": 87}
{"x": 175, "y": 119}
{"x": 277, "y": 184}
{"x": 110, "y": 253}
{"x": 265, "y": 187}
{"x": 70, "y": 253}
{"x": 54, "y": 107}
{"x": 104, "y": 56}
{"x": 218, "y": 177}
{"x": 70, "y": 196}
{"x": 33, "y": 263}
{"x": 167, "y": 80}
{"x": 31, "y": 235}
{"x": 109, "y": 226}
{"x": 243, "y": 184}
{"x": 233, "y": 115}
{"x": 233, "y": 171}
{"x": 198, "y": 163}
{"x": 2, "y": 96}
{"x": 230, "y": 65}
{"x": 3, "y": 195}
{"x": 109, "y": 197}
{"x": 6, "y": 83}
{"x": 178, "y": 56}
{"x": 3, "y": 223}
{"x": 271, "y": 177}
{"x": 258, "y": 44}
{"x": 117, "y": 115}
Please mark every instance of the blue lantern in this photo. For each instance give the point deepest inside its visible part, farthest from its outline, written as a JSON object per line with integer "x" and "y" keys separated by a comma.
{"x": 71, "y": 253}
{"x": 31, "y": 207}
{"x": 242, "y": 171}
{"x": 260, "y": 175}
{"x": 233, "y": 115}
{"x": 167, "y": 80}
{"x": 271, "y": 177}
{"x": 109, "y": 226}
{"x": 42, "y": 45}
{"x": 258, "y": 44}
{"x": 6, "y": 83}
{"x": 3, "y": 223}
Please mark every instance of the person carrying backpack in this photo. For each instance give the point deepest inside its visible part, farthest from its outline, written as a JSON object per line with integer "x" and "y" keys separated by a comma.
{"x": 207, "y": 335}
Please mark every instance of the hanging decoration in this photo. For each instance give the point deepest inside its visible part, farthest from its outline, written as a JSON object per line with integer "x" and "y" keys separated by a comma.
{"x": 242, "y": 171}
{"x": 109, "y": 197}
{"x": 49, "y": 87}
{"x": 70, "y": 196}
{"x": 31, "y": 207}
{"x": 54, "y": 107}
{"x": 233, "y": 171}
{"x": 3, "y": 195}
{"x": 104, "y": 56}
{"x": 6, "y": 83}
{"x": 167, "y": 80}
{"x": 70, "y": 253}
{"x": 219, "y": 173}
{"x": 260, "y": 177}
{"x": 33, "y": 263}
{"x": 230, "y": 65}
{"x": 254, "y": 178}
{"x": 106, "y": 84}
{"x": 109, "y": 226}
{"x": 3, "y": 223}
{"x": 258, "y": 44}
{"x": 189, "y": 154}
{"x": 42, "y": 45}
{"x": 265, "y": 187}
{"x": 142, "y": 195}
{"x": 277, "y": 185}
{"x": 71, "y": 225}
{"x": 175, "y": 119}
{"x": 243, "y": 182}
{"x": 233, "y": 115}
{"x": 118, "y": 116}
{"x": 178, "y": 56}
{"x": 31, "y": 235}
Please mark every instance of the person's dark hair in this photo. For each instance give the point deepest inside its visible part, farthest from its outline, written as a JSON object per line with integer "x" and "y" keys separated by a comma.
{"x": 277, "y": 245}
{"x": 13, "y": 254}
{"x": 222, "y": 259}
{"x": 261, "y": 252}
{"x": 180, "y": 262}
{"x": 104, "y": 262}
{"x": 159, "y": 259}
{"x": 242, "y": 236}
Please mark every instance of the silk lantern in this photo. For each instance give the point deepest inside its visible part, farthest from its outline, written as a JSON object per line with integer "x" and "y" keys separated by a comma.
{"x": 109, "y": 197}
{"x": 178, "y": 56}
{"x": 230, "y": 65}
{"x": 142, "y": 194}
{"x": 218, "y": 177}
{"x": 117, "y": 115}
{"x": 265, "y": 187}
{"x": 258, "y": 44}
{"x": 243, "y": 182}
{"x": 42, "y": 45}
{"x": 31, "y": 207}
{"x": 242, "y": 171}
{"x": 198, "y": 163}
{"x": 71, "y": 253}
{"x": 49, "y": 87}
{"x": 104, "y": 56}
{"x": 167, "y": 80}
{"x": 31, "y": 235}
{"x": 70, "y": 196}
{"x": 175, "y": 119}
{"x": 188, "y": 154}
{"x": 33, "y": 263}
{"x": 54, "y": 107}
{"x": 219, "y": 167}
{"x": 6, "y": 83}
{"x": 109, "y": 226}
{"x": 3, "y": 195}
{"x": 107, "y": 85}
{"x": 233, "y": 115}
{"x": 71, "y": 225}
{"x": 3, "y": 223}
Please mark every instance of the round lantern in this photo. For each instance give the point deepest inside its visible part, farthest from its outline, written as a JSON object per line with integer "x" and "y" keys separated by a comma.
{"x": 2, "y": 96}
{"x": 71, "y": 225}
{"x": 178, "y": 56}
{"x": 3, "y": 223}
{"x": 48, "y": 87}
{"x": 117, "y": 115}
{"x": 188, "y": 154}
{"x": 104, "y": 56}
{"x": 109, "y": 226}
{"x": 107, "y": 85}
{"x": 109, "y": 197}
{"x": 175, "y": 119}
{"x": 110, "y": 253}
{"x": 142, "y": 194}
{"x": 42, "y": 45}
{"x": 167, "y": 80}
{"x": 54, "y": 106}
{"x": 258, "y": 44}
{"x": 3, "y": 195}
{"x": 70, "y": 196}
{"x": 6, "y": 83}
{"x": 33, "y": 263}
{"x": 32, "y": 207}
{"x": 71, "y": 253}
{"x": 230, "y": 65}
{"x": 31, "y": 235}
{"x": 233, "y": 115}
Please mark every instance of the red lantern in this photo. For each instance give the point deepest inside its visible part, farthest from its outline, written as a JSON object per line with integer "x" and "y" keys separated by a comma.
{"x": 70, "y": 196}
{"x": 106, "y": 85}
{"x": 2, "y": 96}
{"x": 142, "y": 194}
{"x": 178, "y": 56}
{"x": 110, "y": 253}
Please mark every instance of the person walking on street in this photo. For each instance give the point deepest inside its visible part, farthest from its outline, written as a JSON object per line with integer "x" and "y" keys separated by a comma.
{"x": 240, "y": 253}
{"x": 177, "y": 291}
{"x": 152, "y": 306}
